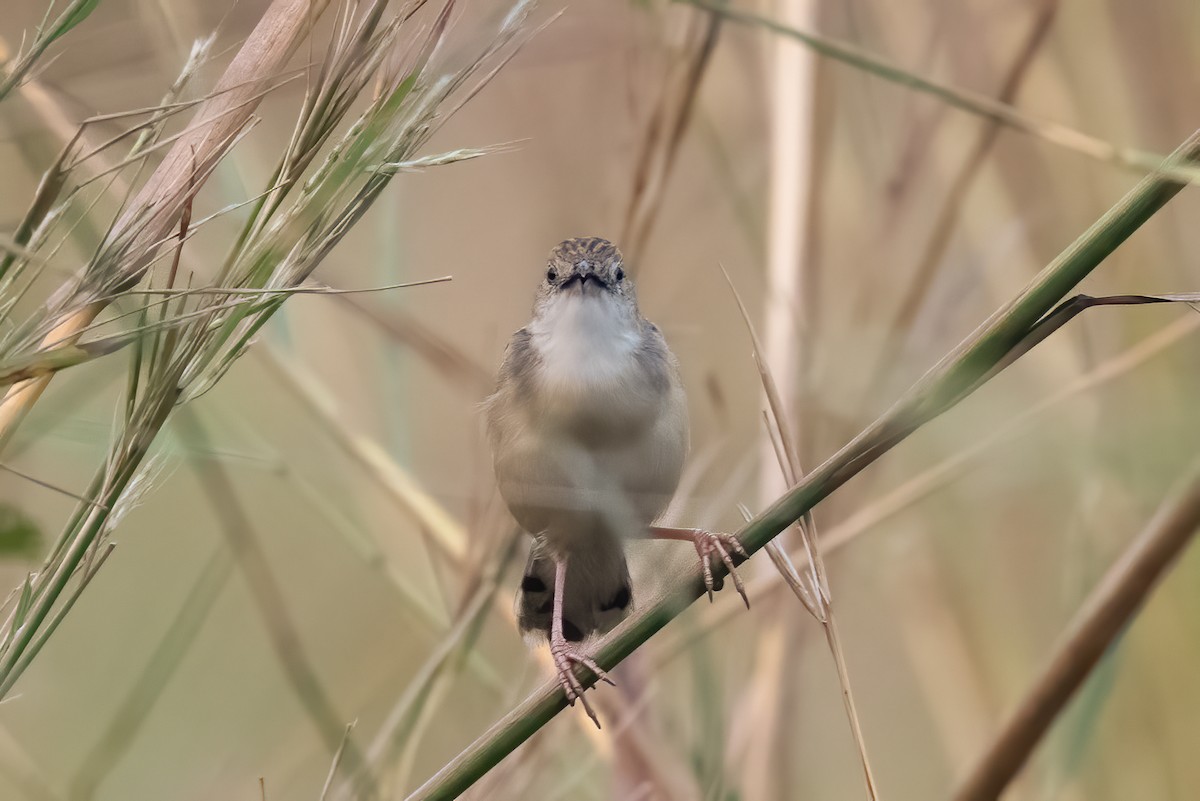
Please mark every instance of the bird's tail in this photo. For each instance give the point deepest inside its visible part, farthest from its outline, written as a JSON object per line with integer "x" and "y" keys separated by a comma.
{"x": 596, "y": 595}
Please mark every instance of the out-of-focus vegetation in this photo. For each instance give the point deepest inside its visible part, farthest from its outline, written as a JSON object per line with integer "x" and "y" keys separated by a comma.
{"x": 314, "y": 540}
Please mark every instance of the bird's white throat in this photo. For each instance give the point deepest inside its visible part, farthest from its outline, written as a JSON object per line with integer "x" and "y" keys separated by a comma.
{"x": 586, "y": 340}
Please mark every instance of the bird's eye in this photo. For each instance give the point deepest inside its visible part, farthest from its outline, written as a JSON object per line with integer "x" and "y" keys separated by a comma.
{"x": 620, "y": 274}
{"x": 551, "y": 274}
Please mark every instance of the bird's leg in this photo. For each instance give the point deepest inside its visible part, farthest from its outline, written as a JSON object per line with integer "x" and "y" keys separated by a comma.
{"x": 567, "y": 654}
{"x": 707, "y": 543}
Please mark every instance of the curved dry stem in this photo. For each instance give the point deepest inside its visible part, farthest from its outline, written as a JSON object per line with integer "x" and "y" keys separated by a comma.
{"x": 1096, "y": 626}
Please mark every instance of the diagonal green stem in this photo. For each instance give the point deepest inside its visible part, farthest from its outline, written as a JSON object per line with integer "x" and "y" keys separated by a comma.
{"x": 948, "y": 382}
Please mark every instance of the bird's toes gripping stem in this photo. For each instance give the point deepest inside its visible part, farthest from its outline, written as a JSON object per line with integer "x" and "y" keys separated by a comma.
{"x": 724, "y": 545}
{"x": 566, "y": 657}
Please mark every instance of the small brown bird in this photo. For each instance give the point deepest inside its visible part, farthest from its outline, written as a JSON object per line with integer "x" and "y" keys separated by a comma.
{"x": 589, "y": 429}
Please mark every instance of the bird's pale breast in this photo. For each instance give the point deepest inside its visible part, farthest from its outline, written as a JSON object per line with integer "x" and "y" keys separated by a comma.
{"x": 599, "y": 441}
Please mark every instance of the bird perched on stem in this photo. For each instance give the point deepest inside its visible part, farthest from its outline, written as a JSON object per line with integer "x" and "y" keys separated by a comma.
{"x": 589, "y": 428}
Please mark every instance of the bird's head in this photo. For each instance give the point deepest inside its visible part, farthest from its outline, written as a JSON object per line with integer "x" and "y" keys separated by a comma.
{"x": 586, "y": 267}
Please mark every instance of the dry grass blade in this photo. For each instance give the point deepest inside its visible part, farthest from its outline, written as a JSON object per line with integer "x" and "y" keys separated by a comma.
{"x": 664, "y": 132}
{"x": 931, "y": 479}
{"x": 1061, "y": 135}
{"x": 292, "y": 290}
{"x": 395, "y": 743}
{"x": 815, "y": 595}
{"x": 337, "y": 760}
{"x": 46, "y": 362}
{"x": 443, "y": 533}
{"x": 441, "y": 354}
{"x": 46, "y": 485}
{"x": 790, "y": 459}
{"x": 264, "y": 54}
{"x": 280, "y": 248}
{"x": 1104, "y": 615}
{"x": 946, "y": 220}
{"x": 109, "y": 749}
{"x": 281, "y": 630}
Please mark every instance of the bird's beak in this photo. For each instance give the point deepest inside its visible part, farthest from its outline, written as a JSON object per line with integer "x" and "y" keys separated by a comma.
{"x": 583, "y": 275}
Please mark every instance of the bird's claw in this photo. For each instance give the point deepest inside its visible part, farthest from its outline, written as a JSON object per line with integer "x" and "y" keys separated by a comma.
{"x": 708, "y": 543}
{"x": 566, "y": 657}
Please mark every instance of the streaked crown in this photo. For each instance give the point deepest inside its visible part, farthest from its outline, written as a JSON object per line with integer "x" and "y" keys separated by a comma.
{"x": 585, "y": 248}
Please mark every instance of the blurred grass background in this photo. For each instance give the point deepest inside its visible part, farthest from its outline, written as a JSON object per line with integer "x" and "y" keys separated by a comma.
{"x": 946, "y": 607}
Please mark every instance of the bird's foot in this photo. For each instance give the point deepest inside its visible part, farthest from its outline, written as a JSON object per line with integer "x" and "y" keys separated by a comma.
{"x": 724, "y": 545}
{"x": 566, "y": 656}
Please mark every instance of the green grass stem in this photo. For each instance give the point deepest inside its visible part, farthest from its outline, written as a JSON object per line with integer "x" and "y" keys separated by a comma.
{"x": 954, "y": 377}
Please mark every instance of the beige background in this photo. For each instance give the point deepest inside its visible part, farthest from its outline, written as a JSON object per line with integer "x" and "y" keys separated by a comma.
{"x": 946, "y": 608}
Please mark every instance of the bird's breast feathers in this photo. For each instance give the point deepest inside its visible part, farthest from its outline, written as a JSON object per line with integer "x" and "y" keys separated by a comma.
{"x": 591, "y": 423}
{"x": 596, "y": 369}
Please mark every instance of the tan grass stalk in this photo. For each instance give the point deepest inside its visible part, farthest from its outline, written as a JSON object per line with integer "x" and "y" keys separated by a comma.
{"x": 106, "y": 753}
{"x": 337, "y": 760}
{"x": 444, "y": 534}
{"x": 810, "y": 587}
{"x": 792, "y": 72}
{"x": 944, "y": 667}
{"x": 444, "y": 356}
{"x": 664, "y": 132}
{"x": 1103, "y": 616}
{"x": 1063, "y": 136}
{"x": 793, "y": 96}
{"x": 282, "y": 633}
{"x": 897, "y": 329}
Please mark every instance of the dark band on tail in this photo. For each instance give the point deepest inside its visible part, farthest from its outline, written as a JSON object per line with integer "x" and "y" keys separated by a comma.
{"x": 596, "y": 596}
{"x": 619, "y": 601}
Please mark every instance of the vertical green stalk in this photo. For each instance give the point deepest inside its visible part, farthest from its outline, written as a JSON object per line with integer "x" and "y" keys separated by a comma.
{"x": 23, "y": 648}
